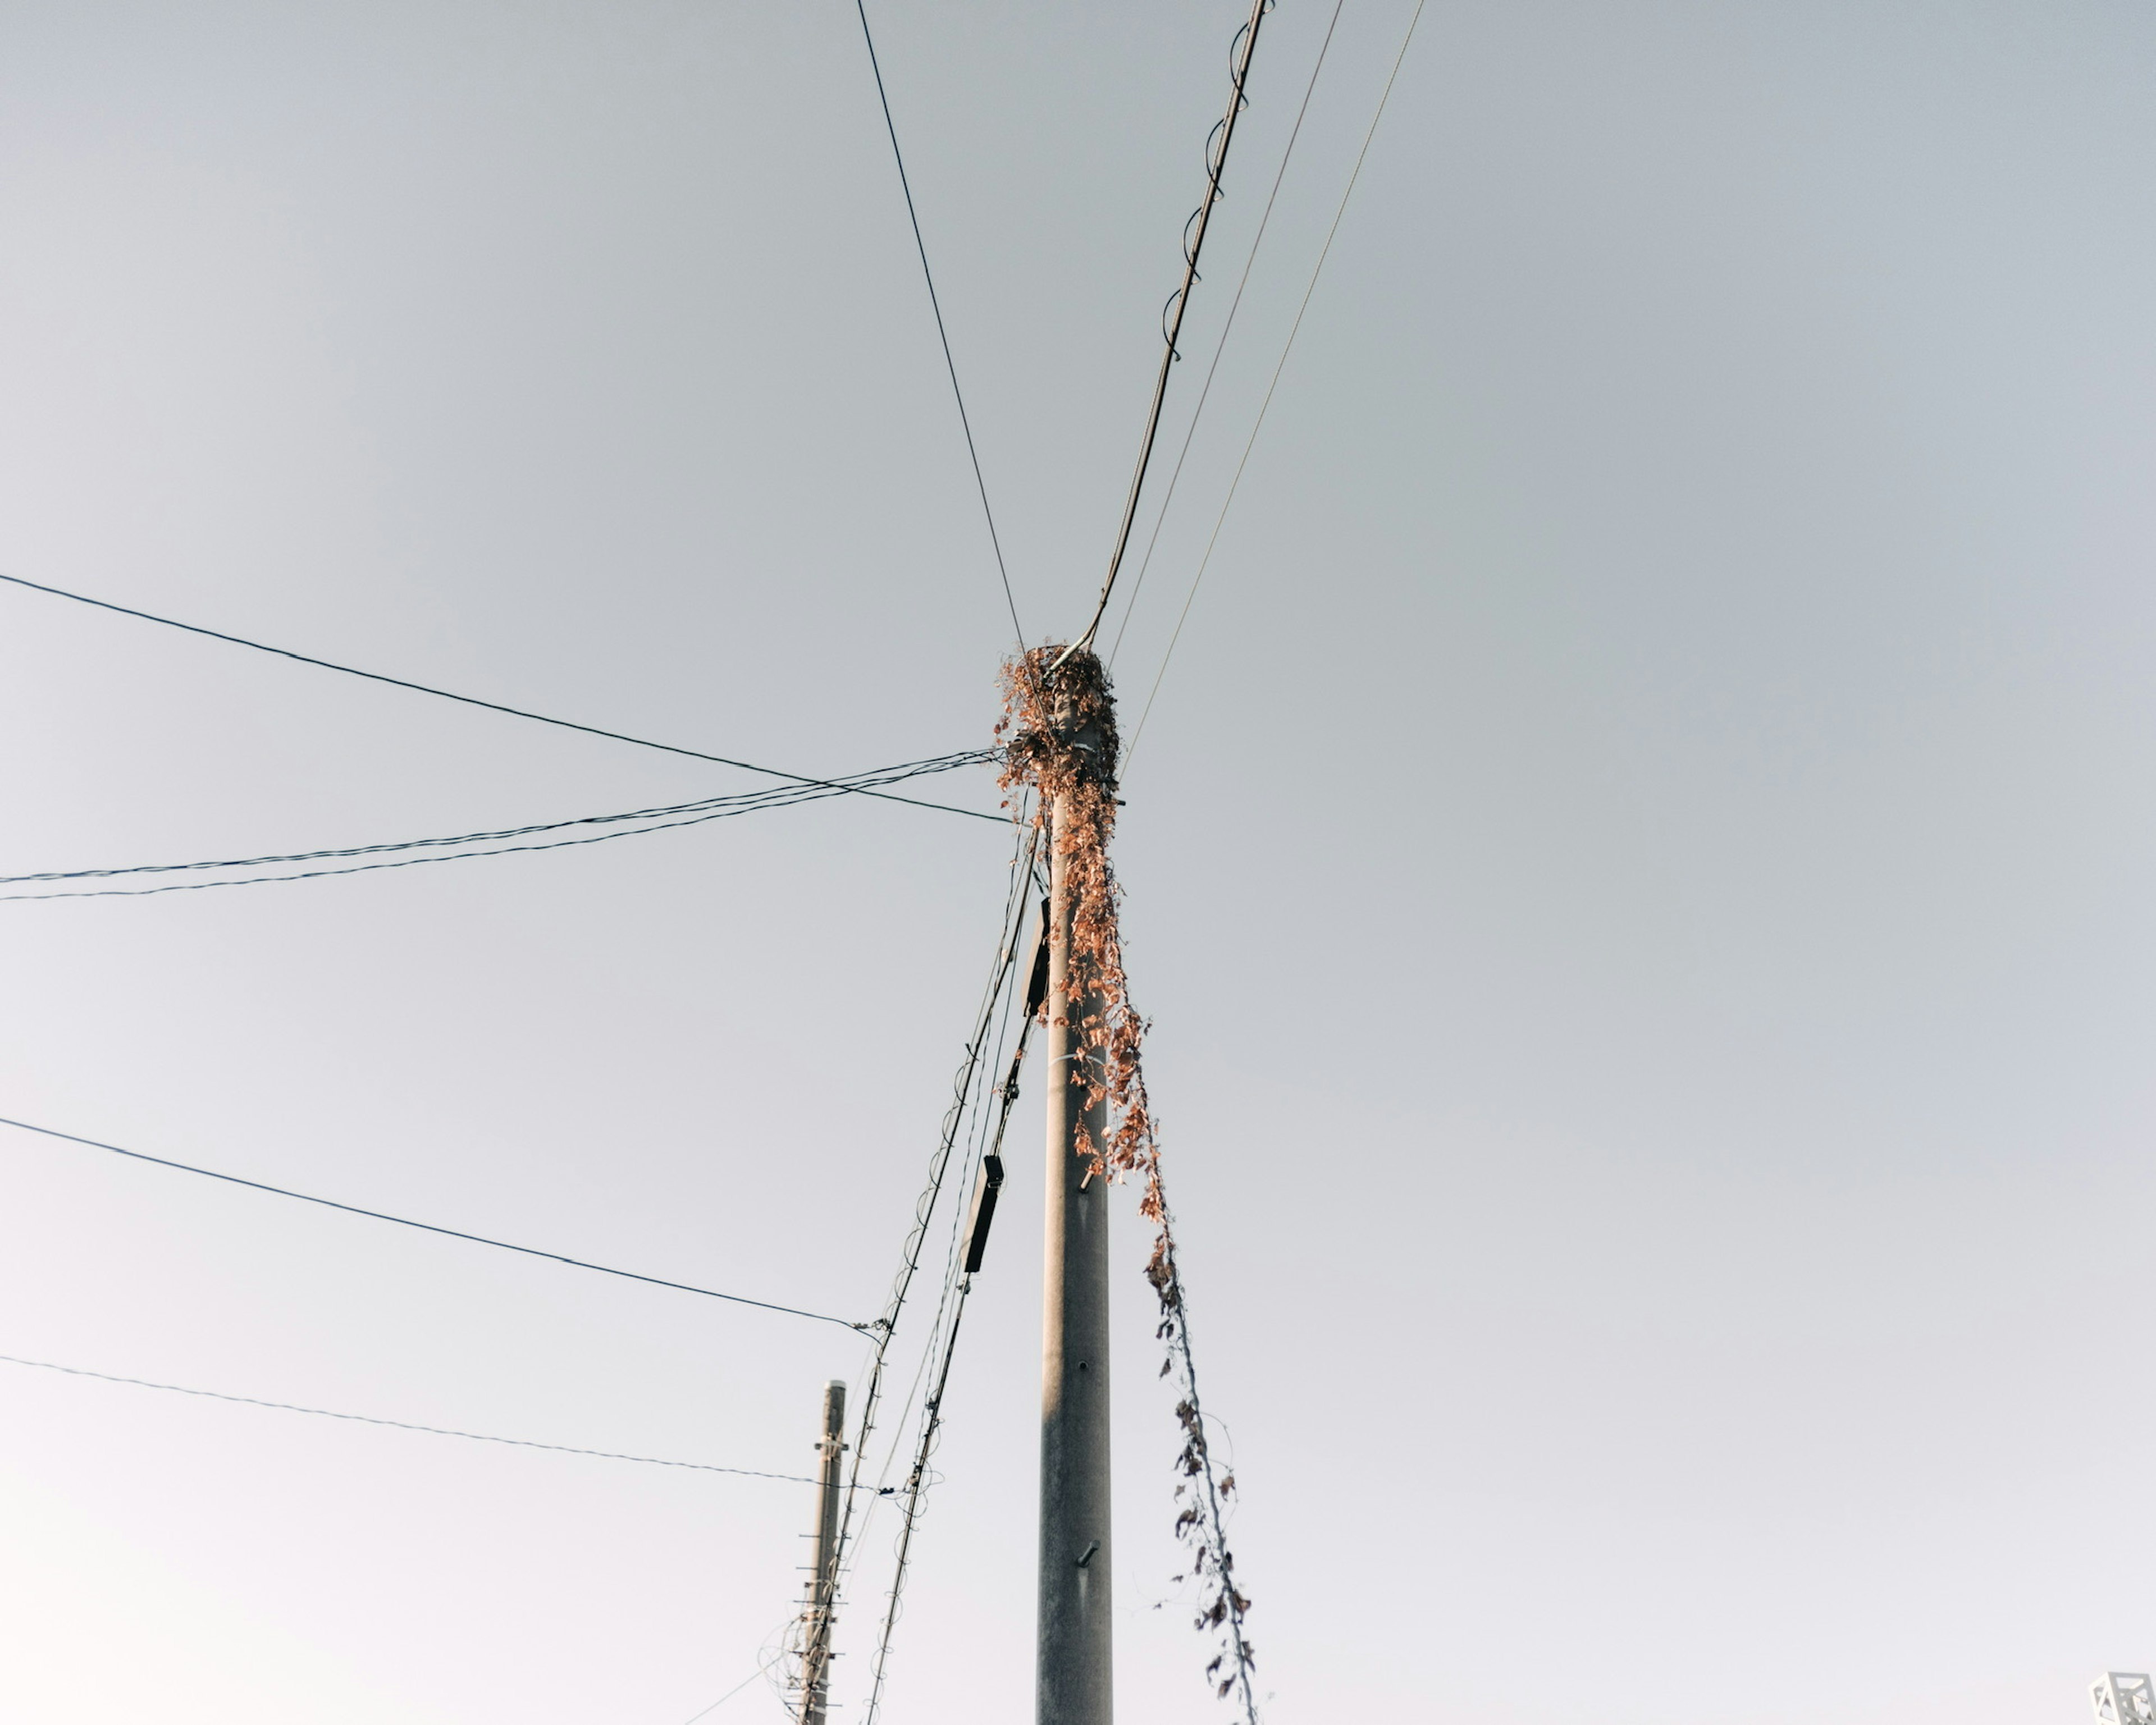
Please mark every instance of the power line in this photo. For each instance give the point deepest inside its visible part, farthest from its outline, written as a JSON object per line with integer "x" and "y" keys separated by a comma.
{"x": 957, "y": 1287}
{"x": 1227, "y": 326}
{"x": 1216, "y": 161}
{"x": 492, "y": 706}
{"x": 353, "y": 1209}
{"x": 935, "y": 304}
{"x": 663, "y": 819}
{"x": 1287, "y": 348}
{"x": 972, "y": 1065}
{"x": 250, "y": 1401}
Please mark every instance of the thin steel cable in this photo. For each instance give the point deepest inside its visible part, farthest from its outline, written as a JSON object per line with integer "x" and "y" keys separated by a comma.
{"x": 736, "y": 1690}
{"x": 1221, "y": 346}
{"x": 480, "y": 1437}
{"x": 748, "y": 802}
{"x": 936, "y": 305}
{"x": 492, "y": 706}
{"x": 1287, "y": 348}
{"x": 353, "y": 1209}
{"x": 1239, "y": 72}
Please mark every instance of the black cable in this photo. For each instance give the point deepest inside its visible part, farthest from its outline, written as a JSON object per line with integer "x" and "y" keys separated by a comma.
{"x": 217, "y": 1395}
{"x": 492, "y": 706}
{"x": 353, "y": 1209}
{"x": 936, "y": 305}
{"x": 1227, "y": 327}
{"x": 972, "y": 1065}
{"x": 695, "y": 814}
{"x": 1216, "y": 163}
{"x": 1264, "y": 407}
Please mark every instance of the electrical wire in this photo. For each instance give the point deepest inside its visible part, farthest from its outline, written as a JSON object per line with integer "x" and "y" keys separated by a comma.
{"x": 736, "y": 1690}
{"x": 936, "y": 305}
{"x": 882, "y": 775}
{"x": 353, "y": 1209}
{"x": 217, "y": 1395}
{"x": 1216, "y": 162}
{"x": 1227, "y": 326}
{"x": 917, "y": 1480}
{"x": 972, "y": 1066}
{"x": 982, "y": 1139}
{"x": 492, "y": 706}
{"x": 686, "y": 814}
{"x": 1287, "y": 348}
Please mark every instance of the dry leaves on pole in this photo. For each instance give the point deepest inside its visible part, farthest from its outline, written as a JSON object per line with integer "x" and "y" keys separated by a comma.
{"x": 1059, "y": 731}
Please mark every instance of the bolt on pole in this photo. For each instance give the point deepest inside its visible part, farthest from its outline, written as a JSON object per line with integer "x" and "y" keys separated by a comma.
{"x": 821, "y": 1607}
{"x": 1075, "y": 1668}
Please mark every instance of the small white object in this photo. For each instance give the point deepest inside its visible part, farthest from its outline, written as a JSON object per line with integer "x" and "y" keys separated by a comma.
{"x": 2124, "y": 1698}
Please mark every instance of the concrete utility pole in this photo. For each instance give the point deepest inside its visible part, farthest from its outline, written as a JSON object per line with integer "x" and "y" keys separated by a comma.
{"x": 816, "y": 1616}
{"x": 1075, "y": 1677}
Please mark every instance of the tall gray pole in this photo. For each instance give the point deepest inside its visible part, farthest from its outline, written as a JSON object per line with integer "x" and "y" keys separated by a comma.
{"x": 1075, "y": 1672}
{"x": 816, "y": 1617}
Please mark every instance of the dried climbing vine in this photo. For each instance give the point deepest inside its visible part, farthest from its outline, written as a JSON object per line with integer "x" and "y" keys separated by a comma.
{"x": 1059, "y": 735}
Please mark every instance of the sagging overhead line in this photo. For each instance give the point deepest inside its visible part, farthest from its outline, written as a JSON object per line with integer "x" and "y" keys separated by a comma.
{"x": 492, "y": 706}
{"x": 478, "y": 1437}
{"x": 661, "y": 819}
{"x": 1194, "y": 244}
{"x": 1227, "y": 327}
{"x": 353, "y": 1209}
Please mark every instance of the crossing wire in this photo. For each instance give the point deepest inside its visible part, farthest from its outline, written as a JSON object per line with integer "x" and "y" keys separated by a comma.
{"x": 936, "y": 305}
{"x": 1286, "y": 347}
{"x": 353, "y": 1209}
{"x": 480, "y": 1437}
{"x": 492, "y": 706}
{"x": 702, "y": 1712}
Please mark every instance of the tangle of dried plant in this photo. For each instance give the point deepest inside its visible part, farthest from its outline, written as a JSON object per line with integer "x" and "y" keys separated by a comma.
{"x": 1059, "y": 731}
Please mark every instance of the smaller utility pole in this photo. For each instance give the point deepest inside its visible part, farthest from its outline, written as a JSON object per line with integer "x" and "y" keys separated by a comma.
{"x": 821, "y": 1606}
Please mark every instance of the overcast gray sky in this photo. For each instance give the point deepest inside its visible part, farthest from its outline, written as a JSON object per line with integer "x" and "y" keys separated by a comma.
{"x": 1640, "y": 865}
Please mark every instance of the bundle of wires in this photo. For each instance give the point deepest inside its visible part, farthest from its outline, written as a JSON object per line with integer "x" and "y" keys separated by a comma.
{"x": 462, "y": 847}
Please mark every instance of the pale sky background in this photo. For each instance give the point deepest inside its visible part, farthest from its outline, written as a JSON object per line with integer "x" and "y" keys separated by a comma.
{"x": 1641, "y": 866}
